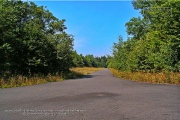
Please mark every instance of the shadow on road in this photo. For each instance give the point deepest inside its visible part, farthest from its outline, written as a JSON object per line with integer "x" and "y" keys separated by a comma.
{"x": 88, "y": 76}
{"x": 84, "y": 77}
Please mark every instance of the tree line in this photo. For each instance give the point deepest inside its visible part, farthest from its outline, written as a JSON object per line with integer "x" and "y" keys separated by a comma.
{"x": 34, "y": 41}
{"x": 88, "y": 60}
{"x": 154, "y": 45}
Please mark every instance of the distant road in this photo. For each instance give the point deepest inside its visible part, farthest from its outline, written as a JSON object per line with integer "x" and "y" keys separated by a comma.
{"x": 98, "y": 96}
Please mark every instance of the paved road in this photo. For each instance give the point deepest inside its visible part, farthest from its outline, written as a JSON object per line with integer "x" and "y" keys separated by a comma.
{"x": 98, "y": 96}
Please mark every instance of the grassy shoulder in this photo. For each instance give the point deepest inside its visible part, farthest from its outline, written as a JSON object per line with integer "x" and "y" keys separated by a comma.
{"x": 85, "y": 70}
{"x": 160, "y": 78}
{"x": 19, "y": 80}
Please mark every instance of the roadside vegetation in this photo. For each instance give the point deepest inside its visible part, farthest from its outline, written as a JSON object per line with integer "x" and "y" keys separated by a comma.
{"x": 19, "y": 80}
{"x": 35, "y": 48}
{"x": 152, "y": 52}
{"x": 85, "y": 70}
{"x": 150, "y": 77}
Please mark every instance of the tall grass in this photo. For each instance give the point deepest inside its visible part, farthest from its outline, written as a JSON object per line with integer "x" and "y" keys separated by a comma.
{"x": 162, "y": 77}
{"x": 19, "y": 80}
{"x": 85, "y": 70}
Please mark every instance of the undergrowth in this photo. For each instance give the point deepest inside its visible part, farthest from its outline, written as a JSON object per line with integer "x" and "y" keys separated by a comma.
{"x": 19, "y": 80}
{"x": 161, "y": 77}
{"x": 85, "y": 70}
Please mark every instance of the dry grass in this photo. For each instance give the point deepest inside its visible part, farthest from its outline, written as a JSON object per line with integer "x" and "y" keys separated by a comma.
{"x": 161, "y": 78}
{"x": 85, "y": 70}
{"x": 19, "y": 80}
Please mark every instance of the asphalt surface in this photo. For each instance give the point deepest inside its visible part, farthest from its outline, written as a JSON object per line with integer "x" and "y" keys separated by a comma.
{"x": 99, "y": 96}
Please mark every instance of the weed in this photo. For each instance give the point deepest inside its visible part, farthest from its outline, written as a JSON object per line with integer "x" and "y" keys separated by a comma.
{"x": 85, "y": 70}
{"x": 162, "y": 77}
{"x": 19, "y": 80}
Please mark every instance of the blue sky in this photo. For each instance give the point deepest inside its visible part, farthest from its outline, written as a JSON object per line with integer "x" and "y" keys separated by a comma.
{"x": 95, "y": 25}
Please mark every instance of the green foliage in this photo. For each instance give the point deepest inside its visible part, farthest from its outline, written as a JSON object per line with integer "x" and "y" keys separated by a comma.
{"x": 77, "y": 60}
{"x": 32, "y": 40}
{"x": 88, "y": 60}
{"x": 137, "y": 27}
{"x": 155, "y": 42}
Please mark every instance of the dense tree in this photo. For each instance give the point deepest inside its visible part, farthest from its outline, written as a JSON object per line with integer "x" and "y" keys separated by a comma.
{"x": 155, "y": 42}
{"x": 88, "y": 60}
{"x": 77, "y": 60}
{"x": 32, "y": 40}
{"x": 137, "y": 27}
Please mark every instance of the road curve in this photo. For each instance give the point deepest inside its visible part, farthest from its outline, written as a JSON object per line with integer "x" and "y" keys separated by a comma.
{"x": 98, "y": 96}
